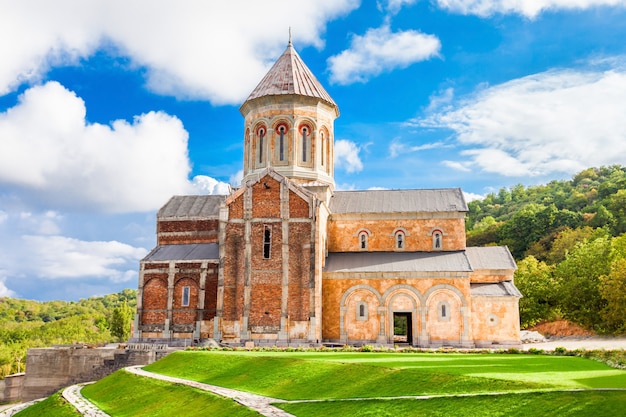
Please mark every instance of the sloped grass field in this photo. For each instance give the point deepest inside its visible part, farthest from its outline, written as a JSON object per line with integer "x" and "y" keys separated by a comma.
{"x": 357, "y": 384}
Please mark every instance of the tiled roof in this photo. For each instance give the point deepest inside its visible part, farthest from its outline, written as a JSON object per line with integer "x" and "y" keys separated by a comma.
{"x": 188, "y": 252}
{"x": 490, "y": 257}
{"x": 290, "y": 75}
{"x": 191, "y": 206}
{"x": 397, "y": 262}
{"x": 495, "y": 289}
{"x": 396, "y": 201}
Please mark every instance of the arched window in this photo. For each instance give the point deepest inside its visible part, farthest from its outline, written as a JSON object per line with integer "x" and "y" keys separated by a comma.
{"x": 437, "y": 240}
{"x": 185, "y": 297}
{"x": 363, "y": 240}
{"x": 261, "y": 144}
{"x": 323, "y": 148}
{"x": 443, "y": 311}
{"x": 281, "y": 143}
{"x": 399, "y": 240}
{"x": 305, "y": 132}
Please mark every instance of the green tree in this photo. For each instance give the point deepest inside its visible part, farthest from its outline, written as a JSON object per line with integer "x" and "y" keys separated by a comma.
{"x": 121, "y": 319}
{"x": 536, "y": 282}
{"x": 579, "y": 278}
{"x": 613, "y": 290}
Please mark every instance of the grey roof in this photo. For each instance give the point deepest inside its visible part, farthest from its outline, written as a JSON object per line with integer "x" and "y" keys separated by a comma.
{"x": 395, "y": 201}
{"x": 290, "y": 75}
{"x": 192, "y": 206}
{"x": 490, "y": 257}
{"x": 495, "y": 289}
{"x": 187, "y": 252}
{"x": 397, "y": 262}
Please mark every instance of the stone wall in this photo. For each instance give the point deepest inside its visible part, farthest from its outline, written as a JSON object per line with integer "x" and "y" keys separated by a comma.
{"x": 11, "y": 388}
{"x": 50, "y": 369}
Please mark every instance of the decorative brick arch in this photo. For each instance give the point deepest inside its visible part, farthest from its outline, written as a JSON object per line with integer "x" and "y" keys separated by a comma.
{"x": 461, "y": 320}
{"x": 344, "y": 305}
{"x": 417, "y": 300}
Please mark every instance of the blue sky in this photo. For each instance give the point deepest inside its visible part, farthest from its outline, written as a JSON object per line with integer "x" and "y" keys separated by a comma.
{"x": 107, "y": 108}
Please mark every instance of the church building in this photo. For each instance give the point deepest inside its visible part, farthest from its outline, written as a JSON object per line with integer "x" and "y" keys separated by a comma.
{"x": 287, "y": 260}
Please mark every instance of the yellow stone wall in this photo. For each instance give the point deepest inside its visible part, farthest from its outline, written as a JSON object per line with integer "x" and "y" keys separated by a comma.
{"x": 495, "y": 319}
{"x": 343, "y": 234}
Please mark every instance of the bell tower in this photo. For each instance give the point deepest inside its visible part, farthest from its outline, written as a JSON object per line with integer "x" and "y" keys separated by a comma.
{"x": 289, "y": 126}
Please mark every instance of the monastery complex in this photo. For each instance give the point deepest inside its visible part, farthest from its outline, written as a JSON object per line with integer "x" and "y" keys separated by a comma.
{"x": 287, "y": 260}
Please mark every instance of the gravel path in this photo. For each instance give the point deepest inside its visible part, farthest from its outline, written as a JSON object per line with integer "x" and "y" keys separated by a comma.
{"x": 572, "y": 343}
{"x": 85, "y": 407}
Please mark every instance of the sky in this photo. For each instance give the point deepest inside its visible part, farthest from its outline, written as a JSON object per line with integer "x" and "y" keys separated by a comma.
{"x": 110, "y": 107}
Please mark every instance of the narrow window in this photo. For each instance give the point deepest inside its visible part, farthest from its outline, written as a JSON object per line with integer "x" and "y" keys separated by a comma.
{"x": 363, "y": 240}
{"x": 267, "y": 242}
{"x": 261, "y": 137}
{"x": 399, "y": 240}
{"x": 437, "y": 240}
{"x": 304, "y": 132}
{"x": 281, "y": 144}
{"x": 185, "y": 301}
{"x": 323, "y": 149}
{"x": 361, "y": 311}
{"x": 443, "y": 310}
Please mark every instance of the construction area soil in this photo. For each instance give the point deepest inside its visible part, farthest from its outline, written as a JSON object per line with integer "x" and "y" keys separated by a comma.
{"x": 562, "y": 333}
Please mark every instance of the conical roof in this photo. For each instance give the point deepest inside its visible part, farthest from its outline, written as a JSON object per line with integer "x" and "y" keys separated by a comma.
{"x": 290, "y": 75}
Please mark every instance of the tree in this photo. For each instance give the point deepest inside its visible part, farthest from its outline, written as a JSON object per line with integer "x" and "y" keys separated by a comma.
{"x": 536, "y": 282}
{"x": 579, "y": 278}
{"x": 613, "y": 290}
{"x": 121, "y": 319}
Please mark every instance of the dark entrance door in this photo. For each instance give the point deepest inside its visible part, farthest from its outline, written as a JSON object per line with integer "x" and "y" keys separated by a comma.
{"x": 402, "y": 328}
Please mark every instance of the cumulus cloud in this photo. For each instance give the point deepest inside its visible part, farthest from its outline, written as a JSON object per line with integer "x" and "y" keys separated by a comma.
{"x": 472, "y": 196}
{"x": 4, "y": 291}
{"x": 394, "y": 6}
{"x": 558, "y": 121}
{"x": 60, "y": 257}
{"x": 528, "y": 8}
{"x": 347, "y": 156}
{"x": 381, "y": 50}
{"x": 119, "y": 167}
{"x": 182, "y": 45}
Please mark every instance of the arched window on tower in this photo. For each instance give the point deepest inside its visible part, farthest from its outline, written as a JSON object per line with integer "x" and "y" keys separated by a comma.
{"x": 267, "y": 242}
{"x": 261, "y": 144}
{"x": 323, "y": 150}
{"x": 281, "y": 143}
{"x": 305, "y": 133}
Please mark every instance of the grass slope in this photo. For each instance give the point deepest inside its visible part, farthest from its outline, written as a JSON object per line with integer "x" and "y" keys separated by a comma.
{"x": 53, "y": 406}
{"x": 124, "y": 394}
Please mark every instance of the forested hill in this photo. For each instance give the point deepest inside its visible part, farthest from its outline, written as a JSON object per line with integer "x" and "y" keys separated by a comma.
{"x": 569, "y": 240}
{"x": 28, "y": 324}
{"x": 528, "y": 220}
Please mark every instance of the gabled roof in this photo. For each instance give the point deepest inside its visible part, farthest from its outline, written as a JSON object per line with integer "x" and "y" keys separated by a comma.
{"x": 290, "y": 75}
{"x": 398, "y": 201}
{"x": 191, "y": 206}
{"x": 490, "y": 257}
{"x": 397, "y": 262}
{"x": 495, "y": 289}
{"x": 188, "y": 252}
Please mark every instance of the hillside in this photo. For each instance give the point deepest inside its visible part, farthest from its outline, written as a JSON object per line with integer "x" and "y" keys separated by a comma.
{"x": 28, "y": 324}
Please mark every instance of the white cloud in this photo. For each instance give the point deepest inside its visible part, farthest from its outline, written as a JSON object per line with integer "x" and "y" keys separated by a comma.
{"x": 554, "y": 122}
{"x": 4, "y": 291}
{"x": 381, "y": 50}
{"x": 3, "y": 216}
{"x": 196, "y": 49}
{"x": 528, "y": 8}
{"x": 472, "y": 196}
{"x": 60, "y": 257}
{"x": 207, "y": 185}
{"x": 459, "y": 166}
{"x": 236, "y": 178}
{"x": 59, "y": 159}
{"x": 394, "y": 6}
{"x": 347, "y": 156}
{"x": 398, "y": 148}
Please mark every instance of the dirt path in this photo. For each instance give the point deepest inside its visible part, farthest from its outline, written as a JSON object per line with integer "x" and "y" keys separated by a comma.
{"x": 573, "y": 343}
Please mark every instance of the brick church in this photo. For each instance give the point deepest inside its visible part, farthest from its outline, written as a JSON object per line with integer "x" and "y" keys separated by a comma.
{"x": 287, "y": 260}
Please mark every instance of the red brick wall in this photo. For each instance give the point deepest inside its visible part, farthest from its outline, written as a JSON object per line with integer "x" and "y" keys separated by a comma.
{"x": 176, "y": 232}
{"x": 299, "y": 270}
{"x": 234, "y": 271}
{"x": 298, "y": 207}
{"x": 154, "y": 299}
{"x": 235, "y": 209}
{"x": 266, "y": 200}
{"x": 210, "y": 295}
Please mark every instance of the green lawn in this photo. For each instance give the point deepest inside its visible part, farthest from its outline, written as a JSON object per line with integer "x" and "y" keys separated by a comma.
{"x": 335, "y": 379}
{"x": 53, "y": 406}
